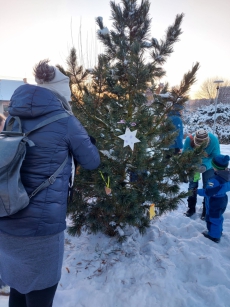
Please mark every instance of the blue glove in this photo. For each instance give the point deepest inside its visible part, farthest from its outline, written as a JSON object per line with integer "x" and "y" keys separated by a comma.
{"x": 201, "y": 192}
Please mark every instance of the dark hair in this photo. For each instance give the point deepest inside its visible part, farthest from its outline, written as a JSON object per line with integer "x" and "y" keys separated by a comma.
{"x": 44, "y": 72}
{"x": 2, "y": 118}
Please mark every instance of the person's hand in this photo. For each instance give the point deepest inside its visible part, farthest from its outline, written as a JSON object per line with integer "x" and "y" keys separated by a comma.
{"x": 92, "y": 139}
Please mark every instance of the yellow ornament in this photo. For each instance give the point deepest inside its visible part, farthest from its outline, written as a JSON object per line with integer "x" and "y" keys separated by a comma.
{"x": 152, "y": 211}
{"x": 107, "y": 188}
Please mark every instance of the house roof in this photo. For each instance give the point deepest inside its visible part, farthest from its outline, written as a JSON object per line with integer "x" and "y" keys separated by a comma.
{"x": 7, "y": 88}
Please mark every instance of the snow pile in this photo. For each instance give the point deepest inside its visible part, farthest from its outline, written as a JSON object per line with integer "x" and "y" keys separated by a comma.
{"x": 204, "y": 118}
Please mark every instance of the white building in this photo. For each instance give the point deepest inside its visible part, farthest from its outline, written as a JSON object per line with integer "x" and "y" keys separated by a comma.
{"x": 7, "y": 88}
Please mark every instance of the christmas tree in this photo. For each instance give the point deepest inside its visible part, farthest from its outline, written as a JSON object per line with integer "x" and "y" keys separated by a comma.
{"x": 120, "y": 108}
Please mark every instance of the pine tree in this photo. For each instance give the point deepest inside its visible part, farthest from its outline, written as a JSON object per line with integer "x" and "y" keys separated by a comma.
{"x": 119, "y": 193}
{"x": 77, "y": 75}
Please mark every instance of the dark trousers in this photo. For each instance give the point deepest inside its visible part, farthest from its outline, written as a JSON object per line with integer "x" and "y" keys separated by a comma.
{"x": 194, "y": 185}
{"x": 38, "y": 298}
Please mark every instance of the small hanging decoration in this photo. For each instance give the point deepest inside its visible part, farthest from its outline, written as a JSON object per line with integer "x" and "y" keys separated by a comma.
{"x": 129, "y": 138}
{"x": 152, "y": 211}
{"x": 107, "y": 188}
{"x": 133, "y": 124}
{"x": 122, "y": 121}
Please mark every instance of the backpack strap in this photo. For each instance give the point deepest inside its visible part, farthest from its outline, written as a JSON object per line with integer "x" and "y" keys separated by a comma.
{"x": 45, "y": 122}
{"x": 53, "y": 177}
{"x": 48, "y": 121}
{"x": 50, "y": 180}
{"x": 10, "y": 124}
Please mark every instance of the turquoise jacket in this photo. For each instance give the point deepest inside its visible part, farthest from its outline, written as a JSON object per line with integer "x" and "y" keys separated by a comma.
{"x": 211, "y": 150}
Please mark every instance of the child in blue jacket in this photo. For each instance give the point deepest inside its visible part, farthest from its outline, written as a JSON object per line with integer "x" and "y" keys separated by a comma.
{"x": 216, "y": 199}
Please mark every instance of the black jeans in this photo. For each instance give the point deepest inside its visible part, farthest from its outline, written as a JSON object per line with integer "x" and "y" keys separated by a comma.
{"x": 38, "y": 298}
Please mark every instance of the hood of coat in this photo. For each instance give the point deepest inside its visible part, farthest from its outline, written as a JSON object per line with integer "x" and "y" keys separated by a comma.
{"x": 31, "y": 101}
{"x": 174, "y": 113}
{"x": 225, "y": 174}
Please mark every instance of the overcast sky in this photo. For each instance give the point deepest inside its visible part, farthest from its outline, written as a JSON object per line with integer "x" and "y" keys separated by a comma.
{"x": 31, "y": 30}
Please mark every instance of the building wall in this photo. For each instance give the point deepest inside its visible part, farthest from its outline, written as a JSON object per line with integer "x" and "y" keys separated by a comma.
{"x": 7, "y": 88}
{"x": 224, "y": 95}
{"x": 4, "y": 107}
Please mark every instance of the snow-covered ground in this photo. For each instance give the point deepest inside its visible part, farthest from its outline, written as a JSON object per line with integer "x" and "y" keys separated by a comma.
{"x": 173, "y": 265}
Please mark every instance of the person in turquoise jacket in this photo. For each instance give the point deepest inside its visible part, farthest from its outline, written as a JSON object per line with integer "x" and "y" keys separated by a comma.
{"x": 216, "y": 199}
{"x": 211, "y": 150}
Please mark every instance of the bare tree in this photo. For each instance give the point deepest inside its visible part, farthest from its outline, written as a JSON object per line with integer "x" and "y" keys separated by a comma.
{"x": 208, "y": 88}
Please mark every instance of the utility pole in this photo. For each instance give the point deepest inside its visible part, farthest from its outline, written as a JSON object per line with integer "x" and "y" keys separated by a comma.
{"x": 217, "y": 94}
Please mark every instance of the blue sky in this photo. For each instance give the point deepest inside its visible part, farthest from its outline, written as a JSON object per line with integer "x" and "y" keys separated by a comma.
{"x": 34, "y": 30}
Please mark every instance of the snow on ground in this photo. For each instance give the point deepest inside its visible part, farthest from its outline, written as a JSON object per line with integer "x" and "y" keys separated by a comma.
{"x": 172, "y": 265}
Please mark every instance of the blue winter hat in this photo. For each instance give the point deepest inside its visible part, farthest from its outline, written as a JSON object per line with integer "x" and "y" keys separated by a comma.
{"x": 220, "y": 162}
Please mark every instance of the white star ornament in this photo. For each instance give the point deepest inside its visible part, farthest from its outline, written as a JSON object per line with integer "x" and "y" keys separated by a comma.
{"x": 129, "y": 138}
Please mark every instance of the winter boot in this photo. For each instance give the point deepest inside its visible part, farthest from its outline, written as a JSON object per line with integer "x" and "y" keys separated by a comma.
{"x": 190, "y": 212}
{"x": 203, "y": 214}
{"x": 191, "y": 206}
{"x": 205, "y": 233}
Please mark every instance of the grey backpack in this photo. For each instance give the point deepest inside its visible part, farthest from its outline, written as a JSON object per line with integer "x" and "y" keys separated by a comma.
{"x": 13, "y": 196}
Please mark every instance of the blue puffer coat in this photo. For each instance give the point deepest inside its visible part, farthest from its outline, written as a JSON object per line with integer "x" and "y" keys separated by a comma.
{"x": 45, "y": 215}
{"x": 216, "y": 201}
{"x": 177, "y": 122}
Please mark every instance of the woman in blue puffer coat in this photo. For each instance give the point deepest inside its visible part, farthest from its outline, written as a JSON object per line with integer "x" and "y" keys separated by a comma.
{"x": 175, "y": 116}
{"x": 32, "y": 240}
